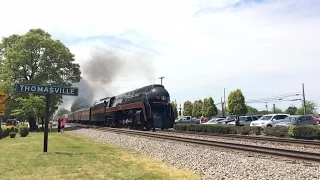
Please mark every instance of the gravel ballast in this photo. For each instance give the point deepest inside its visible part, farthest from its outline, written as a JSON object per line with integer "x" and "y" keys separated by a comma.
{"x": 279, "y": 145}
{"x": 210, "y": 163}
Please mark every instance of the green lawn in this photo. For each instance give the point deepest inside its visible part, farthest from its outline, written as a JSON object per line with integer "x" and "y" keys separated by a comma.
{"x": 73, "y": 156}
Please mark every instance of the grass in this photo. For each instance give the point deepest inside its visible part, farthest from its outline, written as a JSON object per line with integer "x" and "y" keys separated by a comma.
{"x": 72, "y": 156}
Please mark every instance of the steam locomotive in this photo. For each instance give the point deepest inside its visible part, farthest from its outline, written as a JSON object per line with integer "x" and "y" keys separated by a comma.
{"x": 144, "y": 108}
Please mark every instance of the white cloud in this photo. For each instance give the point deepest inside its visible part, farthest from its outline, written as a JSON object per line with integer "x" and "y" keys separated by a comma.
{"x": 200, "y": 41}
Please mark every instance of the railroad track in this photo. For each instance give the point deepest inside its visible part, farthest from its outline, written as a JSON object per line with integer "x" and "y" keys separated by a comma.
{"x": 283, "y": 153}
{"x": 315, "y": 143}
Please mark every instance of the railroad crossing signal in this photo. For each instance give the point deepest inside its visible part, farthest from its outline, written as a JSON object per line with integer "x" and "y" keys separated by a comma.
{"x": 3, "y": 96}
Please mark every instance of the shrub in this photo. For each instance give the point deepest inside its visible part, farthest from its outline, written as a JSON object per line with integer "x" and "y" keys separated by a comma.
{"x": 12, "y": 134}
{"x": 5, "y": 132}
{"x": 290, "y": 131}
{"x": 214, "y": 128}
{"x": 244, "y": 130}
{"x": 278, "y": 131}
{"x": 256, "y": 130}
{"x": 24, "y": 131}
{"x": 179, "y": 127}
{"x": 305, "y": 132}
{"x": 40, "y": 129}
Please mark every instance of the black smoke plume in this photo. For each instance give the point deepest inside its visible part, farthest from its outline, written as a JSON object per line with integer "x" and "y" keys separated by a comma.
{"x": 104, "y": 66}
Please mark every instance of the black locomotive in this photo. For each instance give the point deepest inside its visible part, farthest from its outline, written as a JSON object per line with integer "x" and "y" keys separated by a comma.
{"x": 144, "y": 108}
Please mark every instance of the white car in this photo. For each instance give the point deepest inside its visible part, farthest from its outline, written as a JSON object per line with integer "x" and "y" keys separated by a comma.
{"x": 269, "y": 120}
{"x": 214, "y": 121}
{"x": 244, "y": 120}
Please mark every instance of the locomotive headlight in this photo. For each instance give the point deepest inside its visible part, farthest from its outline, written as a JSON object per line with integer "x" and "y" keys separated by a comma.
{"x": 163, "y": 97}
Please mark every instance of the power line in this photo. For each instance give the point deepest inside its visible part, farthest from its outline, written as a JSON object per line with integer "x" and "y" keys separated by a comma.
{"x": 282, "y": 97}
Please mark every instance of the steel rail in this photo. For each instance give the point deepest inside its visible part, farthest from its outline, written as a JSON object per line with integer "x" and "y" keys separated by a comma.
{"x": 259, "y": 138}
{"x": 284, "y": 153}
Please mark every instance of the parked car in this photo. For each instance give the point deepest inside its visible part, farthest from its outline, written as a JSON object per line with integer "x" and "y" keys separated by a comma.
{"x": 269, "y": 120}
{"x": 258, "y": 115}
{"x": 187, "y": 120}
{"x": 228, "y": 119}
{"x": 11, "y": 122}
{"x": 214, "y": 121}
{"x": 316, "y": 118}
{"x": 298, "y": 121}
{"x": 244, "y": 120}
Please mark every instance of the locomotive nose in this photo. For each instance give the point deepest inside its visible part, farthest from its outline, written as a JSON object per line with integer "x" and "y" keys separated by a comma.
{"x": 160, "y": 94}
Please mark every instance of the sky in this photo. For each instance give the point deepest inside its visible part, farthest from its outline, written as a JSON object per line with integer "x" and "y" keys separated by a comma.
{"x": 266, "y": 48}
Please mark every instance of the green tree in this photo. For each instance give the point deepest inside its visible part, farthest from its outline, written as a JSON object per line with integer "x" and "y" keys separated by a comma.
{"x": 263, "y": 112}
{"x": 175, "y": 110}
{"x": 209, "y": 109}
{"x": 252, "y": 110}
{"x": 31, "y": 107}
{"x": 62, "y": 111}
{"x": 187, "y": 108}
{"x": 311, "y": 108}
{"x": 277, "y": 110}
{"x": 79, "y": 103}
{"x": 197, "y": 107}
{"x": 291, "y": 110}
{"x": 36, "y": 58}
{"x": 236, "y": 103}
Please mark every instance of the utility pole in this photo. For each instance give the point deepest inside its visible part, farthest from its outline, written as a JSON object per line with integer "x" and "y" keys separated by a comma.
{"x": 161, "y": 79}
{"x": 224, "y": 102}
{"x": 222, "y": 108}
{"x": 304, "y": 100}
{"x": 267, "y": 107}
{"x": 180, "y": 110}
{"x": 274, "y": 108}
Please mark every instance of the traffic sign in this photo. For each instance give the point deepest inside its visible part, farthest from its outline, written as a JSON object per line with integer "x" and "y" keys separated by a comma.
{"x": 2, "y": 113}
{"x": 46, "y": 89}
{"x": 3, "y": 96}
{"x": 2, "y": 107}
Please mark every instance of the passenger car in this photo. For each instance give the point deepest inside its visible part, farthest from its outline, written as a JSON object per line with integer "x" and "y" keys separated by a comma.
{"x": 214, "y": 121}
{"x": 317, "y": 118}
{"x": 298, "y": 120}
{"x": 11, "y": 122}
{"x": 228, "y": 119}
{"x": 269, "y": 120}
{"x": 187, "y": 120}
{"x": 244, "y": 120}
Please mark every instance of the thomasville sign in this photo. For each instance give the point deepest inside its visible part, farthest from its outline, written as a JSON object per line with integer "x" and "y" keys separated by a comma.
{"x": 46, "y": 89}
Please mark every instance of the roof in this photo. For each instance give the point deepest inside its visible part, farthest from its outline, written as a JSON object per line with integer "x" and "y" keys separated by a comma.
{"x": 276, "y": 114}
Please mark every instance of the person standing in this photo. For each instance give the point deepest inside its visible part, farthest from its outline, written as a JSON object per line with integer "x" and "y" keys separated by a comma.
{"x": 201, "y": 119}
{"x": 63, "y": 123}
{"x": 237, "y": 120}
{"x": 59, "y": 125}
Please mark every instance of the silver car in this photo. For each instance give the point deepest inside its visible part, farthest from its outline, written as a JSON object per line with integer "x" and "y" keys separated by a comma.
{"x": 244, "y": 120}
{"x": 298, "y": 121}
